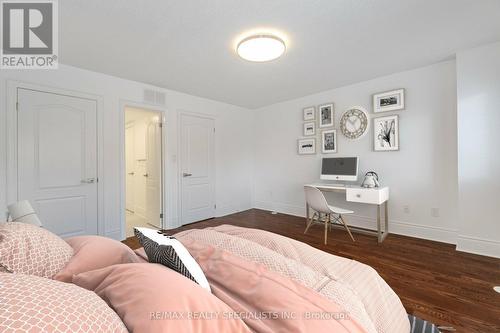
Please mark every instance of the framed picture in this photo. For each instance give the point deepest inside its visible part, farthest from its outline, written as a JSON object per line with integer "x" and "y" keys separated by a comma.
{"x": 309, "y": 113}
{"x": 329, "y": 141}
{"x": 306, "y": 146}
{"x": 389, "y": 101}
{"x": 326, "y": 115}
{"x": 309, "y": 128}
{"x": 386, "y": 133}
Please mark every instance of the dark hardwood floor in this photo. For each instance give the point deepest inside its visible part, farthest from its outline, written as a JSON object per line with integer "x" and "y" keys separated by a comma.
{"x": 434, "y": 281}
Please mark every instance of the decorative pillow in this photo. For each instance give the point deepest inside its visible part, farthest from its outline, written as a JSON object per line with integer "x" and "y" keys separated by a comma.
{"x": 28, "y": 249}
{"x": 152, "y": 298}
{"x": 34, "y": 304}
{"x": 94, "y": 252}
{"x": 168, "y": 251}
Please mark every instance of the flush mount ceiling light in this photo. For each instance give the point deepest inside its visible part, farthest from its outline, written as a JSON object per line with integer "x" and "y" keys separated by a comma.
{"x": 261, "y": 47}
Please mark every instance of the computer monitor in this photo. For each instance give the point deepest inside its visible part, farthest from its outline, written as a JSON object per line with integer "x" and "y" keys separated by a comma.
{"x": 340, "y": 168}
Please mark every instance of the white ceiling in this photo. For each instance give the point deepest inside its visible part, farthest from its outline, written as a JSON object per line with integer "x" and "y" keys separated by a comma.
{"x": 188, "y": 45}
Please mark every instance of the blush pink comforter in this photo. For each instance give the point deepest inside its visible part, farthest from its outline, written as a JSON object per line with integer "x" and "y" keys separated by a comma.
{"x": 349, "y": 286}
{"x": 266, "y": 301}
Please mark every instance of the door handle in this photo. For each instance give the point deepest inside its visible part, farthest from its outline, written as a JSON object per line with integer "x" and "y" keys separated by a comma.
{"x": 187, "y": 174}
{"x": 146, "y": 175}
{"x": 131, "y": 173}
{"x": 88, "y": 181}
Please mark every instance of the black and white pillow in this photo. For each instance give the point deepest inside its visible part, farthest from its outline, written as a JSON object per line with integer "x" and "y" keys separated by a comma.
{"x": 168, "y": 251}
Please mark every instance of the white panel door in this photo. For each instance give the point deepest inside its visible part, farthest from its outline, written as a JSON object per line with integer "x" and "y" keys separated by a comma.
{"x": 129, "y": 167}
{"x": 140, "y": 188}
{"x": 57, "y": 160}
{"x": 197, "y": 169}
{"x": 153, "y": 173}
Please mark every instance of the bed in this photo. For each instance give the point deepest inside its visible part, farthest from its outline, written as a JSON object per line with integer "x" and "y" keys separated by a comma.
{"x": 259, "y": 281}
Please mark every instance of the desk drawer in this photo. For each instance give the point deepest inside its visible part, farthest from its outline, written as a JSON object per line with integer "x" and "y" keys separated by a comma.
{"x": 369, "y": 196}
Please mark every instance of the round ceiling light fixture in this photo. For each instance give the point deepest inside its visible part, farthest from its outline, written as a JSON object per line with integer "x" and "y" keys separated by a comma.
{"x": 261, "y": 48}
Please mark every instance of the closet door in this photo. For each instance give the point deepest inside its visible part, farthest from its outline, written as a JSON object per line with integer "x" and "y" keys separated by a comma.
{"x": 57, "y": 160}
{"x": 198, "y": 169}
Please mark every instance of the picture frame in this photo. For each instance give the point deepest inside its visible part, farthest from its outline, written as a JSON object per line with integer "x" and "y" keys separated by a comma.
{"x": 389, "y": 101}
{"x": 326, "y": 115}
{"x": 306, "y": 146}
{"x": 309, "y": 113}
{"x": 309, "y": 128}
{"x": 329, "y": 141}
{"x": 386, "y": 133}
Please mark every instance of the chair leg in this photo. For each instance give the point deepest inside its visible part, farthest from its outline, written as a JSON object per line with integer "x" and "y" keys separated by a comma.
{"x": 326, "y": 227}
{"x": 346, "y": 227}
{"x": 310, "y": 223}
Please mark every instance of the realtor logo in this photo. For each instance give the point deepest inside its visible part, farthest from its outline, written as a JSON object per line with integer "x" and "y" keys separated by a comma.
{"x": 29, "y": 34}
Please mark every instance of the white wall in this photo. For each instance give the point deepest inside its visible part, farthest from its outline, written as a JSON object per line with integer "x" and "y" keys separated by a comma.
{"x": 478, "y": 83}
{"x": 233, "y": 139}
{"x": 257, "y": 164}
{"x": 422, "y": 175}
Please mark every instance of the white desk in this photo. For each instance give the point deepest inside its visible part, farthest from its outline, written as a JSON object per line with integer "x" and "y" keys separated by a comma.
{"x": 373, "y": 196}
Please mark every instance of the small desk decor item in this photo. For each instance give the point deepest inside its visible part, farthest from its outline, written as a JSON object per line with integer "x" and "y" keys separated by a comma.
{"x": 326, "y": 115}
{"x": 329, "y": 141}
{"x": 354, "y": 123}
{"x": 386, "y": 133}
{"x": 309, "y": 113}
{"x": 309, "y": 128}
{"x": 371, "y": 180}
{"x": 389, "y": 101}
{"x": 306, "y": 146}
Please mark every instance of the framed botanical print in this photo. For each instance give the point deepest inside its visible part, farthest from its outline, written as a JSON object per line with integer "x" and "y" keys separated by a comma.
{"x": 389, "y": 101}
{"x": 309, "y": 113}
{"x": 306, "y": 146}
{"x": 386, "y": 133}
{"x": 329, "y": 141}
{"x": 326, "y": 115}
{"x": 309, "y": 128}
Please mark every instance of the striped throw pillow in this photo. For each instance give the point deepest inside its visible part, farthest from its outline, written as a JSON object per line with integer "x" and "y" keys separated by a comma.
{"x": 168, "y": 251}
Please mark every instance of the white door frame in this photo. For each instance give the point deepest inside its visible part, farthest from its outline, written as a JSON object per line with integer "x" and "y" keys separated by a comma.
{"x": 148, "y": 107}
{"x": 11, "y": 135}
{"x": 127, "y": 126}
{"x": 179, "y": 164}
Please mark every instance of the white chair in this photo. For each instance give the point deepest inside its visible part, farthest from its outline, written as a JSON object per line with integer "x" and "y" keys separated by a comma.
{"x": 316, "y": 200}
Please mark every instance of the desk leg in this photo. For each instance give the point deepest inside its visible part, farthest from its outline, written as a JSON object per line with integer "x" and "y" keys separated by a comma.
{"x": 386, "y": 230}
{"x": 379, "y": 232}
{"x": 307, "y": 214}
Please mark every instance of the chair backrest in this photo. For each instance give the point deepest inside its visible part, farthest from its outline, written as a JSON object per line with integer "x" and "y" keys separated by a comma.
{"x": 316, "y": 199}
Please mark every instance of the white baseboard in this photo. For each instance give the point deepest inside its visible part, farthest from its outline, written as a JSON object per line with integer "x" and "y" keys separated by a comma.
{"x": 222, "y": 210}
{"x": 396, "y": 227}
{"x": 481, "y": 246}
{"x": 171, "y": 222}
{"x": 280, "y": 208}
{"x": 231, "y": 208}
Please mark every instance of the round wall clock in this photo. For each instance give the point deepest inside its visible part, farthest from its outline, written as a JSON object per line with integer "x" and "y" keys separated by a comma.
{"x": 354, "y": 123}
